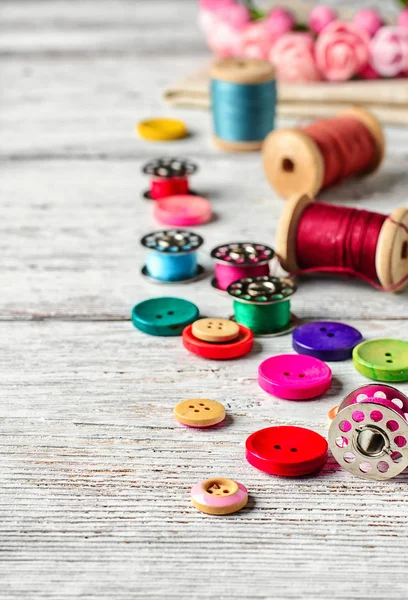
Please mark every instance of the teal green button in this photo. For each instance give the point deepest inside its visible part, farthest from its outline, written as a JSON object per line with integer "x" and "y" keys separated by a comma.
{"x": 164, "y": 316}
{"x": 382, "y": 360}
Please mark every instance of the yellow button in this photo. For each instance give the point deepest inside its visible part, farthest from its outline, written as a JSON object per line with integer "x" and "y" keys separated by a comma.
{"x": 199, "y": 412}
{"x": 215, "y": 330}
{"x": 162, "y": 130}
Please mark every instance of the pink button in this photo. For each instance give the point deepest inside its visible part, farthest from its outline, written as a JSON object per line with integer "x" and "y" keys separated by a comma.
{"x": 294, "y": 376}
{"x": 182, "y": 211}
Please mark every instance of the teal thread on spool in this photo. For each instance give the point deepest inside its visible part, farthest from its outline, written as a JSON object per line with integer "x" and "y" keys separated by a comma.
{"x": 263, "y": 304}
{"x": 243, "y": 100}
{"x": 172, "y": 256}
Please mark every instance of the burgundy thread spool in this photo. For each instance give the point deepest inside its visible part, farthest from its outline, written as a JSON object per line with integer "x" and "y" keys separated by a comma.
{"x": 369, "y": 434}
{"x": 169, "y": 177}
{"x": 316, "y": 237}
{"x": 238, "y": 260}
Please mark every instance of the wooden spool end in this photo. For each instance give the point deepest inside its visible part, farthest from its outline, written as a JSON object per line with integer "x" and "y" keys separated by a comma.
{"x": 374, "y": 126}
{"x": 287, "y": 231}
{"x": 246, "y": 71}
{"x": 391, "y": 257}
{"x": 237, "y": 146}
{"x": 293, "y": 163}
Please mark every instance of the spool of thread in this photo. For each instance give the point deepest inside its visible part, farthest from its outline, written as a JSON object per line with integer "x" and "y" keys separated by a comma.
{"x": 316, "y": 237}
{"x": 243, "y": 101}
{"x": 368, "y": 435}
{"x": 240, "y": 259}
{"x": 169, "y": 177}
{"x": 308, "y": 160}
{"x": 172, "y": 256}
{"x": 262, "y": 304}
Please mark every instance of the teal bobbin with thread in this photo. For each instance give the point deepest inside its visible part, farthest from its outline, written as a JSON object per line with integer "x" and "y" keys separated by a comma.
{"x": 262, "y": 304}
{"x": 243, "y": 100}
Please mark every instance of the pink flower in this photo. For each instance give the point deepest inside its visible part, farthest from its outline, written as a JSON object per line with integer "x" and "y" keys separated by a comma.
{"x": 403, "y": 18}
{"x": 389, "y": 51}
{"x": 215, "y": 5}
{"x": 207, "y": 21}
{"x": 256, "y": 41}
{"x": 369, "y": 20}
{"x": 293, "y": 57}
{"x": 342, "y": 51}
{"x": 320, "y": 17}
{"x": 236, "y": 15}
{"x": 369, "y": 73}
{"x": 279, "y": 21}
{"x": 223, "y": 39}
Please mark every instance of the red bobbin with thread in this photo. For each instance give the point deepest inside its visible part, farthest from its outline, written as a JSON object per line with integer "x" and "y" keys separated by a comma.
{"x": 169, "y": 177}
{"x": 316, "y": 237}
{"x": 308, "y": 160}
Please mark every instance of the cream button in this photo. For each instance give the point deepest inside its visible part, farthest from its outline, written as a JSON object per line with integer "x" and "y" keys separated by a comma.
{"x": 199, "y": 412}
{"x": 215, "y": 330}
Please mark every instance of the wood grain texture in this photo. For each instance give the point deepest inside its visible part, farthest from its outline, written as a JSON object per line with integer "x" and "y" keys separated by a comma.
{"x": 95, "y": 472}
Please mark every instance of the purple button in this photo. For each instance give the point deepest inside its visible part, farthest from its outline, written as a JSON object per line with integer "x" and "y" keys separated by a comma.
{"x": 326, "y": 340}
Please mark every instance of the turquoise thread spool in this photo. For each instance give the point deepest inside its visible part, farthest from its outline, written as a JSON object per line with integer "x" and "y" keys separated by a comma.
{"x": 243, "y": 100}
{"x": 262, "y": 304}
{"x": 172, "y": 256}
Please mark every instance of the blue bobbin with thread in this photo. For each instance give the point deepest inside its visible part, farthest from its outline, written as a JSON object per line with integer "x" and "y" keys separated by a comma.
{"x": 243, "y": 101}
{"x": 172, "y": 256}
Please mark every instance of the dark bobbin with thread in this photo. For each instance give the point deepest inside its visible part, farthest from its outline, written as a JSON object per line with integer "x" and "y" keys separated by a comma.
{"x": 263, "y": 304}
{"x": 169, "y": 177}
{"x": 316, "y": 237}
{"x": 172, "y": 256}
{"x": 308, "y": 160}
{"x": 368, "y": 436}
{"x": 243, "y": 103}
{"x": 240, "y": 259}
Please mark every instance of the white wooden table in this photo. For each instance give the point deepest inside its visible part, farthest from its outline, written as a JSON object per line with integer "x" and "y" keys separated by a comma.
{"x": 95, "y": 473}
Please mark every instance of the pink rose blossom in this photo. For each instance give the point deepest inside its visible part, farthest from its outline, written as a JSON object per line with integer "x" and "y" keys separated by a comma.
{"x": 279, "y": 21}
{"x": 293, "y": 57}
{"x": 256, "y": 41}
{"x": 342, "y": 51}
{"x": 403, "y": 18}
{"x": 320, "y": 17}
{"x": 369, "y": 73}
{"x": 224, "y": 40}
{"x": 236, "y": 15}
{"x": 369, "y": 20}
{"x": 389, "y": 51}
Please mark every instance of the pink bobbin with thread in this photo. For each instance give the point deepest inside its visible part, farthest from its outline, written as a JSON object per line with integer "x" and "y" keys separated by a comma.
{"x": 237, "y": 260}
{"x": 369, "y": 435}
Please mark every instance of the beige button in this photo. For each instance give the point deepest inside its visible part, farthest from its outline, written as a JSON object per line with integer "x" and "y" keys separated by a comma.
{"x": 219, "y": 496}
{"x": 215, "y": 330}
{"x": 199, "y": 412}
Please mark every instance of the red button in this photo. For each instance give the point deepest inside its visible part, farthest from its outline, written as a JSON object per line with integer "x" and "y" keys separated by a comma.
{"x": 287, "y": 451}
{"x": 242, "y": 345}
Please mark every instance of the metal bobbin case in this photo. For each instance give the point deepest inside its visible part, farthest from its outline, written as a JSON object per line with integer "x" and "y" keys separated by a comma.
{"x": 266, "y": 305}
{"x": 369, "y": 434}
{"x": 172, "y": 256}
{"x": 169, "y": 177}
{"x": 240, "y": 259}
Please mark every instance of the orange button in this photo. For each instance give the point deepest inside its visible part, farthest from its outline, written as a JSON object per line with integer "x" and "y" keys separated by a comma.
{"x": 215, "y": 330}
{"x": 199, "y": 412}
{"x": 332, "y": 412}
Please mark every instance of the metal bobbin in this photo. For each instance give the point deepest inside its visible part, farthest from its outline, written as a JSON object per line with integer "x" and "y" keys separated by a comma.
{"x": 248, "y": 257}
{"x": 266, "y": 291}
{"x": 369, "y": 434}
{"x": 169, "y": 177}
{"x": 165, "y": 263}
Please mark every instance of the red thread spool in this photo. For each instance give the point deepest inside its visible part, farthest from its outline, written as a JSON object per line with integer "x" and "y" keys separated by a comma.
{"x": 169, "y": 177}
{"x": 305, "y": 161}
{"x": 319, "y": 237}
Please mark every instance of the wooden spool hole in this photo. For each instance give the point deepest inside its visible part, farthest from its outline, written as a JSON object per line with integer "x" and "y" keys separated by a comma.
{"x": 288, "y": 165}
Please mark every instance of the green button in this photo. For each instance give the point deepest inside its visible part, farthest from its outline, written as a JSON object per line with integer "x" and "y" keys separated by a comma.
{"x": 382, "y": 360}
{"x": 164, "y": 316}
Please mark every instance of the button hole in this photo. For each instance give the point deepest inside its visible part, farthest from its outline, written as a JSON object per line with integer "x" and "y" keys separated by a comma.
{"x": 388, "y": 354}
{"x": 330, "y": 335}
{"x": 301, "y": 375}
{"x": 196, "y": 410}
{"x": 293, "y": 449}
{"x": 390, "y": 361}
{"x": 225, "y": 491}
{"x": 277, "y": 447}
{"x": 286, "y": 373}
{"x": 170, "y": 312}
{"x": 201, "y": 404}
{"x": 158, "y": 316}
{"x": 323, "y": 329}
{"x": 191, "y": 406}
{"x": 206, "y": 408}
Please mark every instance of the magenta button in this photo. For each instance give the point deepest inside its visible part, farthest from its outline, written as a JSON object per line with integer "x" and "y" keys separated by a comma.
{"x": 294, "y": 376}
{"x": 183, "y": 211}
